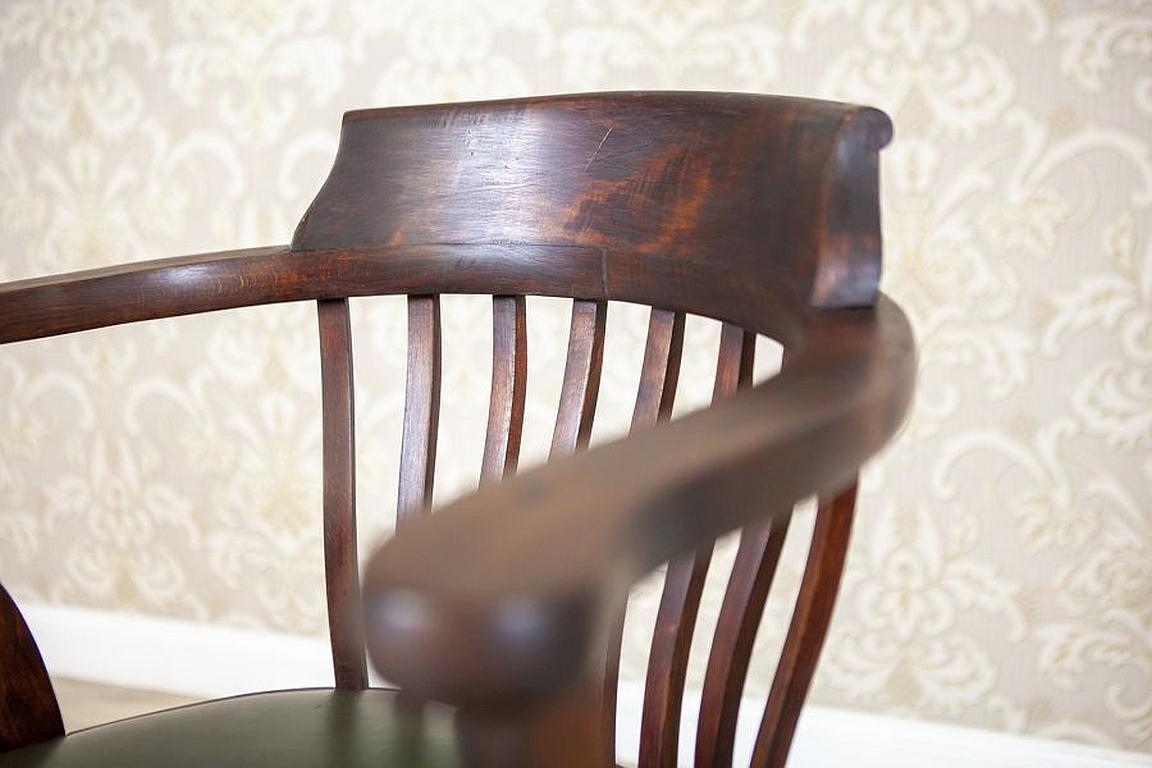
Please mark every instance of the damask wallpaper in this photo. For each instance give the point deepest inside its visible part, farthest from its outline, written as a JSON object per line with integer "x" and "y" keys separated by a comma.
{"x": 1001, "y": 572}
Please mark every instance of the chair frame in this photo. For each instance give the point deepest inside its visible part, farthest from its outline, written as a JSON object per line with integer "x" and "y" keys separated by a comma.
{"x": 761, "y": 212}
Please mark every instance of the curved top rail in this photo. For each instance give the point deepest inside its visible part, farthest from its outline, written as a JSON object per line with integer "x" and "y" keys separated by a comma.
{"x": 741, "y": 207}
{"x": 783, "y": 190}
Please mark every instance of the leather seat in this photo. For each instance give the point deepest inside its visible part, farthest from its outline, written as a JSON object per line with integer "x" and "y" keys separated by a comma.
{"x": 310, "y": 727}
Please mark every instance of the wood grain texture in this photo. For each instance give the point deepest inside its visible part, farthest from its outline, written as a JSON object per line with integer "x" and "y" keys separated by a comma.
{"x": 581, "y": 384}
{"x": 185, "y": 285}
{"x": 810, "y": 619}
{"x": 589, "y": 526}
{"x": 660, "y": 368}
{"x": 509, "y": 386}
{"x": 761, "y": 212}
{"x": 735, "y": 361}
{"x": 715, "y": 178}
{"x": 741, "y": 610}
{"x": 683, "y": 587}
{"x": 29, "y": 713}
{"x": 421, "y": 408}
{"x": 749, "y": 583}
{"x": 341, "y": 563}
{"x": 655, "y": 396}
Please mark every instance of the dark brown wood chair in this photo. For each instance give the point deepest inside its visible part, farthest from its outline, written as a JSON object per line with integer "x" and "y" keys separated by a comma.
{"x": 759, "y": 211}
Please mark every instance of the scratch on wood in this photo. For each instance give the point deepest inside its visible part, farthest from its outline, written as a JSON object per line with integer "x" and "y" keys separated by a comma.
{"x": 607, "y": 133}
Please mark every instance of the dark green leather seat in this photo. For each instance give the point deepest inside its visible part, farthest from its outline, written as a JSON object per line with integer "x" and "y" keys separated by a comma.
{"x": 312, "y": 727}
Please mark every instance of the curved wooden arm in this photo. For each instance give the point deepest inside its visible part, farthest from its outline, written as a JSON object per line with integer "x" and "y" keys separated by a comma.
{"x": 503, "y": 598}
{"x": 145, "y": 290}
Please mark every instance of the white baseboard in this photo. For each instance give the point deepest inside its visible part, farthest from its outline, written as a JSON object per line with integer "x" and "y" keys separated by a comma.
{"x": 208, "y": 661}
{"x": 189, "y": 658}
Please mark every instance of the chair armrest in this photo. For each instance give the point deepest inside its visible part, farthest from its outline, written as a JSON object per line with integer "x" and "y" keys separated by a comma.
{"x": 505, "y": 597}
{"x": 144, "y": 290}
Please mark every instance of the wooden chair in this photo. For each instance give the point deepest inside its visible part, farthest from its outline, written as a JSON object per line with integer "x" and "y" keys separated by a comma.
{"x": 759, "y": 211}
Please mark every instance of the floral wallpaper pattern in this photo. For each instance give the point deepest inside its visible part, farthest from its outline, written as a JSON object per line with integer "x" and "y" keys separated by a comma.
{"x": 1001, "y": 571}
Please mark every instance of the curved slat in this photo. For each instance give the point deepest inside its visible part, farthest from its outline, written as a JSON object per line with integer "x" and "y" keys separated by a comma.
{"x": 810, "y": 619}
{"x": 421, "y": 408}
{"x": 341, "y": 569}
{"x": 683, "y": 587}
{"x": 735, "y": 361}
{"x": 748, "y": 586}
{"x": 29, "y": 713}
{"x": 509, "y": 383}
{"x": 668, "y": 662}
{"x": 660, "y": 371}
{"x": 581, "y": 377}
{"x": 655, "y": 396}
{"x": 749, "y": 583}
{"x": 592, "y": 525}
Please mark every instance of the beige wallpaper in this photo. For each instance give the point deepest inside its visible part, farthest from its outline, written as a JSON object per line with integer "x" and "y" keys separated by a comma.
{"x": 1001, "y": 574}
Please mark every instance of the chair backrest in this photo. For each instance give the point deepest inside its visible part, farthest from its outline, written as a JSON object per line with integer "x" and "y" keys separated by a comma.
{"x": 746, "y": 209}
{"x": 752, "y": 210}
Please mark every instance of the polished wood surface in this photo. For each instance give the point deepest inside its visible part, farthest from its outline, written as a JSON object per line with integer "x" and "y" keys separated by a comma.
{"x": 29, "y": 713}
{"x": 655, "y": 396}
{"x": 749, "y": 583}
{"x": 761, "y": 212}
{"x": 810, "y": 618}
{"x": 509, "y": 387}
{"x": 660, "y": 368}
{"x": 341, "y": 561}
{"x": 683, "y": 588}
{"x": 581, "y": 384}
{"x": 676, "y": 176}
{"x": 421, "y": 408}
{"x": 616, "y": 512}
